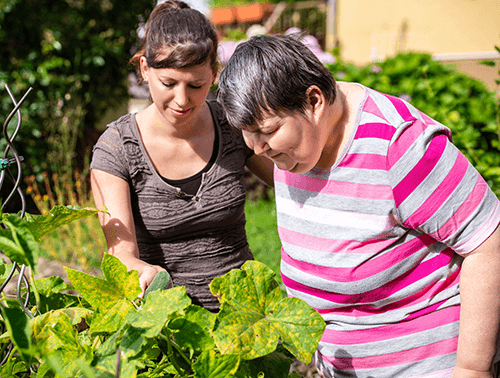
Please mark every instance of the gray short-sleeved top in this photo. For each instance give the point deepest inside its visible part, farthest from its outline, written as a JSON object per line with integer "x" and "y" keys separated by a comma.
{"x": 196, "y": 238}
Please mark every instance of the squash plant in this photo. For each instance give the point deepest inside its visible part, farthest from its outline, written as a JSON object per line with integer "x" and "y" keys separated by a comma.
{"x": 102, "y": 328}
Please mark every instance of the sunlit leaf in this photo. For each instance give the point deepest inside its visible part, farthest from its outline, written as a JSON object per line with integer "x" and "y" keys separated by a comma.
{"x": 156, "y": 310}
{"x": 111, "y": 320}
{"x": 58, "y": 216}
{"x": 254, "y": 316}
{"x": 103, "y": 294}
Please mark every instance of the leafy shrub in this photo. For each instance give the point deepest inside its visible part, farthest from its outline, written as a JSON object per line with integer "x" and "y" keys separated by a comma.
{"x": 453, "y": 98}
{"x": 108, "y": 330}
{"x": 74, "y": 54}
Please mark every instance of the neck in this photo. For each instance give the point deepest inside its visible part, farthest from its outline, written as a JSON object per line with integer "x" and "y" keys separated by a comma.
{"x": 338, "y": 131}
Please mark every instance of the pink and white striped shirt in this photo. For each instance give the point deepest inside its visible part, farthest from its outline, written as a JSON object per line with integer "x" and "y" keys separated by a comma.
{"x": 374, "y": 243}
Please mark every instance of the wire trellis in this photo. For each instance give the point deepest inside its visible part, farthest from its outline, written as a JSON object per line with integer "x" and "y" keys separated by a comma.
{"x": 10, "y": 158}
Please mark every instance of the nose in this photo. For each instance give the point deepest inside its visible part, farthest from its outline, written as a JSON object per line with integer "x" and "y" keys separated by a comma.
{"x": 181, "y": 96}
{"x": 256, "y": 142}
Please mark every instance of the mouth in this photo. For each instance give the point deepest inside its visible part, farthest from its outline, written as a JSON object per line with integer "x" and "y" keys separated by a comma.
{"x": 180, "y": 112}
{"x": 277, "y": 156}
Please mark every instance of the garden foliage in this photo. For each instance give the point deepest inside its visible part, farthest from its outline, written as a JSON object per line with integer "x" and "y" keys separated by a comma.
{"x": 74, "y": 54}
{"x": 107, "y": 328}
{"x": 450, "y": 97}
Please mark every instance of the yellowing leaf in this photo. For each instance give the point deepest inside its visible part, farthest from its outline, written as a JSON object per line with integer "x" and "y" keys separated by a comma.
{"x": 103, "y": 294}
{"x": 254, "y": 316}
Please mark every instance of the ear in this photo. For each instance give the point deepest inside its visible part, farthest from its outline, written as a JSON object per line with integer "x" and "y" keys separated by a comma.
{"x": 316, "y": 101}
{"x": 143, "y": 63}
{"x": 214, "y": 77}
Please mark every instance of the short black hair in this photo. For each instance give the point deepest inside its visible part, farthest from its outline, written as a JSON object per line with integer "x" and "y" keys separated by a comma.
{"x": 270, "y": 74}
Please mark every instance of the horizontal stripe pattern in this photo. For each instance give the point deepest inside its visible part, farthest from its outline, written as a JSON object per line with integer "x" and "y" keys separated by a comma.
{"x": 373, "y": 243}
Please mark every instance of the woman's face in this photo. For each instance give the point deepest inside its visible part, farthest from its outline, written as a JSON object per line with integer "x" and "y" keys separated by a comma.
{"x": 293, "y": 142}
{"x": 178, "y": 93}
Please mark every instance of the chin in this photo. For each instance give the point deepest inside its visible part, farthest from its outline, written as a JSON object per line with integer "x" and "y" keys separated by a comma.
{"x": 299, "y": 168}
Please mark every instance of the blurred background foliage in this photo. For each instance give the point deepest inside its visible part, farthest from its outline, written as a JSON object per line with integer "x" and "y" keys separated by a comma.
{"x": 74, "y": 53}
{"x": 462, "y": 103}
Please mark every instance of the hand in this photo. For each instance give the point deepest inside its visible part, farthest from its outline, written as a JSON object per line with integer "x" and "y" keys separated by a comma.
{"x": 467, "y": 373}
{"x": 147, "y": 275}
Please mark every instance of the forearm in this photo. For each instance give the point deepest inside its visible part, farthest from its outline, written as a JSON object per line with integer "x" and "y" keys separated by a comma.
{"x": 480, "y": 308}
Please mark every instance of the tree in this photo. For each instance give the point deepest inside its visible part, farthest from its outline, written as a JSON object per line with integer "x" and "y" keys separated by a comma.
{"x": 74, "y": 53}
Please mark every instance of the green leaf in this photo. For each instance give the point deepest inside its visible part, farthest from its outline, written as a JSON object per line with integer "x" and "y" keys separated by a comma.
{"x": 49, "y": 289}
{"x": 111, "y": 320}
{"x": 103, "y": 294}
{"x": 127, "y": 282}
{"x": 5, "y": 270}
{"x": 275, "y": 365}
{"x": 299, "y": 325}
{"x": 254, "y": 316}
{"x": 106, "y": 366}
{"x": 192, "y": 331}
{"x": 211, "y": 364}
{"x": 12, "y": 367}
{"x": 18, "y": 242}
{"x": 18, "y": 328}
{"x": 159, "y": 306}
{"x": 54, "y": 330}
{"x": 58, "y": 216}
{"x": 59, "y": 363}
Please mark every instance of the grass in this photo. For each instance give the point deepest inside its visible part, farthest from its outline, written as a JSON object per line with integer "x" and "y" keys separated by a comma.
{"x": 262, "y": 233}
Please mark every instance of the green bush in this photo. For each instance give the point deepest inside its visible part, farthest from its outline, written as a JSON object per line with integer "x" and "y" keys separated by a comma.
{"x": 74, "y": 54}
{"x": 453, "y": 98}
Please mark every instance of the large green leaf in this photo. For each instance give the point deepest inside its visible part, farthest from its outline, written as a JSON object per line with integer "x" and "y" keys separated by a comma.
{"x": 148, "y": 321}
{"x": 254, "y": 316}
{"x": 18, "y": 242}
{"x": 211, "y": 364}
{"x": 103, "y": 294}
{"x": 55, "y": 331}
{"x": 111, "y": 320}
{"x": 58, "y": 216}
{"x": 51, "y": 296}
{"x": 159, "y": 306}
{"x": 192, "y": 331}
{"x": 18, "y": 327}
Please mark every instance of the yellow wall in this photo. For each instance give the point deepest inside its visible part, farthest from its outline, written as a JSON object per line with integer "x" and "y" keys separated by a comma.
{"x": 462, "y": 32}
{"x": 375, "y": 29}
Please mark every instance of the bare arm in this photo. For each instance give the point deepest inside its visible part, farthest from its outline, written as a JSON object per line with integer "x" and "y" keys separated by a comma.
{"x": 263, "y": 168}
{"x": 118, "y": 226}
{"x": 480, "y": 310}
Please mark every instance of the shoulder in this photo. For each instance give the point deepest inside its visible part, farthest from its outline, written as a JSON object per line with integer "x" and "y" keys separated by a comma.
{"x": 395, "y": 116}
{"x": 118, "y": 131}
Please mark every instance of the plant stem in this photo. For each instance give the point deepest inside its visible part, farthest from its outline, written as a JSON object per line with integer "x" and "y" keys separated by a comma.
{"x": 35, "y": 290}
{"x": 171, "y": 354}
